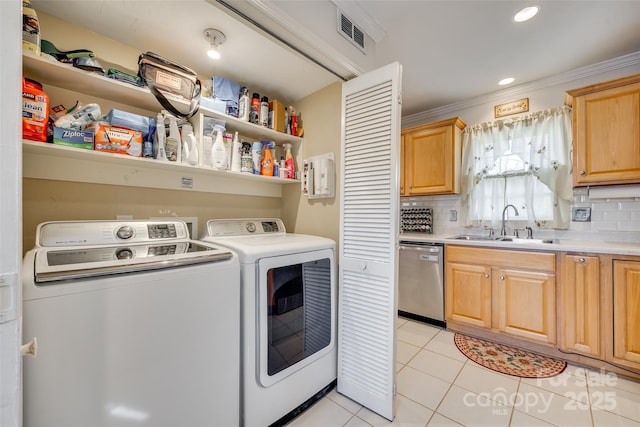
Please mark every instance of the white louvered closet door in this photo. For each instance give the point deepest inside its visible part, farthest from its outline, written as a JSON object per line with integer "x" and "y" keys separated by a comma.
{"x": 369, "y": 238}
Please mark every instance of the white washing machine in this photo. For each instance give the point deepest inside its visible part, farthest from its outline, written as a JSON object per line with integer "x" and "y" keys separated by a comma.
{"x": 289, "y": 300}
{"x": 136, "y": 324}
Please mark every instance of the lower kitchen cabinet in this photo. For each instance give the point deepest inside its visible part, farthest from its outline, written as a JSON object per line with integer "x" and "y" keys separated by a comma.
{"x": 626, "y": 313}
{"x": 580, "y": 305}
{"x": 526, "y": 304}
{"x": 511, "y": 292}
{"x": 468, "y": 294}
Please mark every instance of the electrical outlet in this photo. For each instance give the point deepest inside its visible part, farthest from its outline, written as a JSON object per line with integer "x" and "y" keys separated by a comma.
{"x": 453, "y": 215}
{"x": 581, "y": 214}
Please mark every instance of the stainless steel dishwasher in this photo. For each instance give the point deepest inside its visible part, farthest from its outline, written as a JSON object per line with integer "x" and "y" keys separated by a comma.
{"x": 421, "y": 281}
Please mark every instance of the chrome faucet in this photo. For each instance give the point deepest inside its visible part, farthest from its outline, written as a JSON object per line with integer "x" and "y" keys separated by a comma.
{"x": 503, "y": 230}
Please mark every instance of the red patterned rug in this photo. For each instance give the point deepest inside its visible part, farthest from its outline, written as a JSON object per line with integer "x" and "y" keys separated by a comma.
{"x": 508, "y": 360}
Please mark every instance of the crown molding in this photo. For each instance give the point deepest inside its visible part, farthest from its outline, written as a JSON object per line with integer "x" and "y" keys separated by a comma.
{"x": 569, "y": 76}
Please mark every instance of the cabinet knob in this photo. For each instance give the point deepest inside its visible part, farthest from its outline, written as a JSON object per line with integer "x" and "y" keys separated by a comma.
{"x": 583, "y": 173}
{"x": 580, "y": 259}
{"x": 486, "y": 276}
{"x": 501, "y": 277}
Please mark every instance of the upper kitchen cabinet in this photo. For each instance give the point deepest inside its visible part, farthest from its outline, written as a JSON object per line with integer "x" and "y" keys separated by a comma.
{"x": 431, "y": 158}
{"x": 606, "y": 132}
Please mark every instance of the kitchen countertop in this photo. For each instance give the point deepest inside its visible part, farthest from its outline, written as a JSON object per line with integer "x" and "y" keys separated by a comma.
{"x": 562, "y": 245}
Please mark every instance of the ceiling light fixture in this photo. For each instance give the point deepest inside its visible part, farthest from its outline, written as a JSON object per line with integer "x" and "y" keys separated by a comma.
{"x": 526, "y": 13}
{"x": 215, "y": 39}
{"x": 506, "y": 81}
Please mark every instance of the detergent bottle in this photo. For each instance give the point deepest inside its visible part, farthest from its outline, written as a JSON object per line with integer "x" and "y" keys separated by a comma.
{"x": 289, "y": 164}
{"x": 267, "y": 160}
{"x": 189, "y": 145}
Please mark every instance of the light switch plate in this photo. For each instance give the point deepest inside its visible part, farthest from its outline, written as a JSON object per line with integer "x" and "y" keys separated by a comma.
{"x": 453, "y": 215}
{"x": 581, "y": 214}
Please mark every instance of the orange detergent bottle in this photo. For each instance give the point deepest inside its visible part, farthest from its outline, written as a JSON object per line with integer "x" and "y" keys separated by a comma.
{"x": 35, "y": 111}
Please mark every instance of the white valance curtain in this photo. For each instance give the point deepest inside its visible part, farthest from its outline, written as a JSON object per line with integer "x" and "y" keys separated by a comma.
{"x": 525, "y": 161}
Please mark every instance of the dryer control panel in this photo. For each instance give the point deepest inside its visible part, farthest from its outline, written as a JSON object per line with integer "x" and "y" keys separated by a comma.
{"x": 244, "y": 227}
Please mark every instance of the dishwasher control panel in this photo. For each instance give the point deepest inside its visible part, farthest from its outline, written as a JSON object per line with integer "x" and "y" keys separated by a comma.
{"x": 416, "y": 220}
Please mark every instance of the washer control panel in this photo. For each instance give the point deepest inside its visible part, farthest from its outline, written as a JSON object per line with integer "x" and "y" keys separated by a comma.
{"x": 76, "y": 233}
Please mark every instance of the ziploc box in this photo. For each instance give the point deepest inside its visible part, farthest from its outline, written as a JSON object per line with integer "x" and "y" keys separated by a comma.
{"x": 118, "y": 140}
{"x": 73, "y": 138}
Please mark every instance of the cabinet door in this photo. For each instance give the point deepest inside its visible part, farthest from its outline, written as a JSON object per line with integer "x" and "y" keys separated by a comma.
{"x": 525, "y": 304}
{"x": 581, "y": 305}
{"x": 429, "y": 161}
{"x": 468, "y": 294}
{"x": 626, "y": 313}
{"x": 607, "y": 136}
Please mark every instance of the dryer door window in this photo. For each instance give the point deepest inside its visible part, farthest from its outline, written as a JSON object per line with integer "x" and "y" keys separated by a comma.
{"x": 298, "y": 316}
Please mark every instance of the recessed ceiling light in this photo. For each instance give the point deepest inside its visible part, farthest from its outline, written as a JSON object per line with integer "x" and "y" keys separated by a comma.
{"x": 526, "y": 13}
{"x": 506, "y": 81}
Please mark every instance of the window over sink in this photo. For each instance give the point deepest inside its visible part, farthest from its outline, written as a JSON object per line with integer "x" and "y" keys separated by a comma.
{"x": 525, "y": 161}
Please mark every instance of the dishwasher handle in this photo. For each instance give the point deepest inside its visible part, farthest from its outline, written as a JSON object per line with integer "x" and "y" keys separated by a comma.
{"x": 426, "y": 253}
{"x": 421, "y": 248}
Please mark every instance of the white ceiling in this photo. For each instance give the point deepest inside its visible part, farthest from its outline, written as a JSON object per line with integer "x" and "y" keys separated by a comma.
{"x": 450, "y": 50}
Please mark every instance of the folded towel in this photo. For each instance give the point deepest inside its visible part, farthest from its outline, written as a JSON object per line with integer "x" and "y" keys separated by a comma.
{"x": 226, "y": 90}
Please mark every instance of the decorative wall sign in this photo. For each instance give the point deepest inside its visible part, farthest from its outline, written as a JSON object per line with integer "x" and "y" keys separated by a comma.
{"x": 513, "y": 107}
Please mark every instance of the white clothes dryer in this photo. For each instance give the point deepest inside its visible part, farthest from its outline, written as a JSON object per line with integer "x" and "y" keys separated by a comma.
{"x": 136, "y": 324}
{"x": 289, "y": 300}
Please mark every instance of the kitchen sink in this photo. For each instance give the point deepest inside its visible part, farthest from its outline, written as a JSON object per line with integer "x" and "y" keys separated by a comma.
{"x": 472, "y": 237}
{"x": 519, "y": 240}
{"x": 502, "y": 239}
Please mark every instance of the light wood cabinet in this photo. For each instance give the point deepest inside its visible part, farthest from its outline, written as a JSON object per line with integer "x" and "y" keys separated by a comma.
{"x": 526, "y": 304}
{"x": 511, "y": 292}
{"x": 580, "y": 305}
{"x": 430, "y": 158}
{"x": 626, "y": 313}
{"x": 606, "y": 131}
{"x": 468, "y": 294}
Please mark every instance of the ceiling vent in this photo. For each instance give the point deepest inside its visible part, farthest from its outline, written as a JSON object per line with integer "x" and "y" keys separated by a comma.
{"x": 348, "y": 29}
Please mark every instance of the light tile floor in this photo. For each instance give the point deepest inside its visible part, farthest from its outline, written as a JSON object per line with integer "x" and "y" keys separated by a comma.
{"x": 439, "y": 386}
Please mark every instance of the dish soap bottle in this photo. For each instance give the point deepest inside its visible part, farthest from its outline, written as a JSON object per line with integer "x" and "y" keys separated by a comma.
{"x": 288, "y": 162}
{"x": 218, "y": 150}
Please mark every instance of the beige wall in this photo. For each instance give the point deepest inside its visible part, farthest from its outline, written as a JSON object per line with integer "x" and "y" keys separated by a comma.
{"x": 321, "y": 120}
{"x": 45, "y": 200}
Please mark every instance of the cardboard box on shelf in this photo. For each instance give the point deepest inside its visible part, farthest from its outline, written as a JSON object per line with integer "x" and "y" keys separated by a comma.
{"x": 73, "y": 138}
{"x": 276, "y": 116}
{"x": 117, "y": 140}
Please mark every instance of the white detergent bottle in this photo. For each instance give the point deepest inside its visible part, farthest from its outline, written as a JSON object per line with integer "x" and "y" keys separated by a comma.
{"x": 189, "y": 145}
{"x": 236, "y": 154}
{"x": 219, "y": 151}
{"x": 161, "y": 153}
{"x": 173, "y": 144}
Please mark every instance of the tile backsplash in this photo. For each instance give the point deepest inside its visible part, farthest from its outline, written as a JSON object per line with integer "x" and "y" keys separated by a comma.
{"x": 611, "y": 219}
